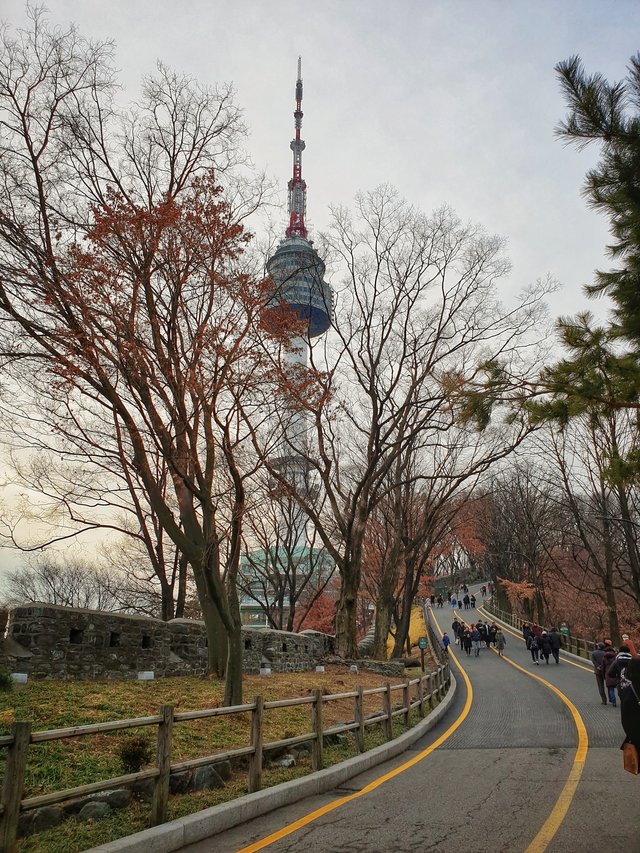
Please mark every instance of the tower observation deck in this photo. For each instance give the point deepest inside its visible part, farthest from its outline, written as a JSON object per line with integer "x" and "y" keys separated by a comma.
{"x": 296, "y": 268}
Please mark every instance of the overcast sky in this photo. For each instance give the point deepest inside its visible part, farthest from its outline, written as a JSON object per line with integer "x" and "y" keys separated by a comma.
{"x": 451, "y": 101}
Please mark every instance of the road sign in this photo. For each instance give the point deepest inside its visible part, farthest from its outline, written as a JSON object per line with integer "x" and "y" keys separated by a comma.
{"x": 422, "y": 643}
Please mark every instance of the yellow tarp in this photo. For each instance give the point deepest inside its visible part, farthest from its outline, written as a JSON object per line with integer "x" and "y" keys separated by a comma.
{"x": 416, "y": 629}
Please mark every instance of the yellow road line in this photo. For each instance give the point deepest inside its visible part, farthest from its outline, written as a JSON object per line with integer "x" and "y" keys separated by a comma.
{"x": 520, "y": 637}
{"x": 318, "y": 813}
{"x": 559, "y": 811}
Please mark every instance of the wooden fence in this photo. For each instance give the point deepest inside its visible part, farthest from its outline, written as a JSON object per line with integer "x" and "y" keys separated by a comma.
{"x": 575, "y": 645}
{"x": 425, "y": 690}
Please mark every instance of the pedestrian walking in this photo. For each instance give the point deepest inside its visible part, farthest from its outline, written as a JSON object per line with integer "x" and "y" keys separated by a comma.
{"x": 526, "y": 632}
{"x": 596, "y": 659}
{"x": 556, "y": 643}
{"x": 630, "y": 702}
{"x": 483, "y": 590}
{"x": 467, "y": 642}
{"x": 476, "y": 639}
{"x": 534, "y": 648}
{"x": 440, "y": 601}
{"x": 456, "y": 627}
{"x": 446, "y": 642}
{"x": 620, "y": 663}
{"x": 500, "y": 642}
{"x": 482, "y": 629}
{"x": 472, "y": 601}
{"x": 491, "y": 635}
{"x": 545, "y": 646}
{"x": 610, "y": 682}
{"x": 466, "y": 601}
{"x": 454, "y": 602}
{"x": 537, "y": 630}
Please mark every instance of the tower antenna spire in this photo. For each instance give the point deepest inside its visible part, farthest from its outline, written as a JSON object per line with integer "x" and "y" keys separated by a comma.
{"x": 297, "y": 187}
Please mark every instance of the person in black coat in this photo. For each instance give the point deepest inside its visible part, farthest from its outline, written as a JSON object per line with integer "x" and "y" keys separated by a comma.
{"x": 630, "y": 702}
{"x": 556, "y": 644}
{"x": 545, "y": 646}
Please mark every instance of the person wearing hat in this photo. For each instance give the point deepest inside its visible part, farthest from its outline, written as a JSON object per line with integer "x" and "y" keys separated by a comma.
{"x": 545, "y": 645}
{"x": 596, "y": 659}
{"x": 631, "y": 645}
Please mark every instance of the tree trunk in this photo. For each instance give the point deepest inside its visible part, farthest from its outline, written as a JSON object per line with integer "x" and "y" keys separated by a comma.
{"x": 217, "y": 655}
{"x": 384, "y": 609}
{"x": 612, "y": 615}
{"x": 346, "y": 645}
{"x": 233, "y": 681}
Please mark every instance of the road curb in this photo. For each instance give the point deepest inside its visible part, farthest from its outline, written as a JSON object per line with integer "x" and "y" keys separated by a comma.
{"x": 209, "y": 822}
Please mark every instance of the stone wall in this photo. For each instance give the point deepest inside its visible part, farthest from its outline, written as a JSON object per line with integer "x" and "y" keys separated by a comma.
{"x": 49, "y": 641}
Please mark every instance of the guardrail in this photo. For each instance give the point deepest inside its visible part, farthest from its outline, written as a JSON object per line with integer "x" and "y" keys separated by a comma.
{"x": 425, "y": 690}
{"x": 576, "y": 645}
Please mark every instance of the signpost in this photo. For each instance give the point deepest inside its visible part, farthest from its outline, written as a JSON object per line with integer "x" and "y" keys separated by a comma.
{"x": 422, "y": 645}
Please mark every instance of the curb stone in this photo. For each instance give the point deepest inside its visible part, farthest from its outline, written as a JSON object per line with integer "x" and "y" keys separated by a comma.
{"x": 209, "y": 822}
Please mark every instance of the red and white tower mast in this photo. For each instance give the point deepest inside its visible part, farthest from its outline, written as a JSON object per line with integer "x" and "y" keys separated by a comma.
{"x": 297, "y": 187}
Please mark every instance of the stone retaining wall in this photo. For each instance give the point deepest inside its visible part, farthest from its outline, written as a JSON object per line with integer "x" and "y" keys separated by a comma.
{"x": 49, "y": 641}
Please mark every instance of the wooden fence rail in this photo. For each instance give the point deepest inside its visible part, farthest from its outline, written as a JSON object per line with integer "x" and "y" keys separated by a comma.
{"x": 426, "y": 690}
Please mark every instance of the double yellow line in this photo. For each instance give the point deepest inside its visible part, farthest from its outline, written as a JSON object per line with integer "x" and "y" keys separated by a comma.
{"x": 550, "y": 826}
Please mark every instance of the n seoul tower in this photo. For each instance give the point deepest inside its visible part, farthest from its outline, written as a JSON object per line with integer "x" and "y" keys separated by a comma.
{"x": 297, "y": 274}
{"x": 296, "y": 268}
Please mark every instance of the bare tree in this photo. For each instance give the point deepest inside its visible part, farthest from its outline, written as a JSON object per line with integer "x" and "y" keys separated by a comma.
{"x": 123, "y": 278}
{"x": 69, "y": 583}
{"x": 420, "y": 341}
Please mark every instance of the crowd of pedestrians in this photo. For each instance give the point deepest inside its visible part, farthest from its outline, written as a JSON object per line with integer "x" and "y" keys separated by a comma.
{"x": 477, "y": 635}
{"x": 609, "y": 666}
{"x": 542, "y": 644}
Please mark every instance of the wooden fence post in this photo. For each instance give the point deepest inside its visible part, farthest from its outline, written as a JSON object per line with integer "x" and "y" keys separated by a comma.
{"x": 386, "y": 704}
{"x": 359, "y": 719}
{"x": 163, "y": 760}
{"x": 12, "y": 785}
{"x": 431, "y": 691}
{"x": 421, "y": 696}
{"x": 316, "y": 722}
{"x": 406, "y": 701}
{"x": 255, "y": 761}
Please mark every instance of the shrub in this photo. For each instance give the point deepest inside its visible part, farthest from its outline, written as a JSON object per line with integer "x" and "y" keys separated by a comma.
{"x": 6, "y": 684}
{"x": 134, "y": 752}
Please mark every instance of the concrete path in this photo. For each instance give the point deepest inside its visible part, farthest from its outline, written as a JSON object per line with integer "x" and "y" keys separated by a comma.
{"x": 507, "y": 772}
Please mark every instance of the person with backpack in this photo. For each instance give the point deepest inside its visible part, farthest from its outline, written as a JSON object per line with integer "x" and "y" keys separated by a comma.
{"x": 620, "y": 663}
{"x": 611, "y": 682}
{"x": 446, "y": 642}
{"x": 545, "y": 646}
{"x": 500, "y": 642}
{"x": 534, "y": 648}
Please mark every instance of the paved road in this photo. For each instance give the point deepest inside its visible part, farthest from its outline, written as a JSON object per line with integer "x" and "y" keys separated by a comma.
{"x": 491, "y": 785}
